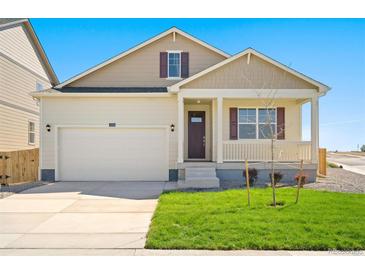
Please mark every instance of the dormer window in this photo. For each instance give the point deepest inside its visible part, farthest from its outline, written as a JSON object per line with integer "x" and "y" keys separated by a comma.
{"x": 174, "y": 63}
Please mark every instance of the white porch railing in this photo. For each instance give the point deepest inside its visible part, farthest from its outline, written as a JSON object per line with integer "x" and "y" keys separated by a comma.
{"x": 260, "y": 150}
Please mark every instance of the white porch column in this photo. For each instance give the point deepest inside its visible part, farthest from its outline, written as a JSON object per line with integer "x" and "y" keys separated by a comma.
{"x": 214, "y": 130}
{"x": 180, "y": 128}
{"x": 314, "y": 128}
{"x": 219, "y": 130}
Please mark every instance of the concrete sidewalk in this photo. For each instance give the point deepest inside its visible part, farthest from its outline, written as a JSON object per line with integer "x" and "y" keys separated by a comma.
{"x": 354, "y": 163}
{"x": 148, "y": 252}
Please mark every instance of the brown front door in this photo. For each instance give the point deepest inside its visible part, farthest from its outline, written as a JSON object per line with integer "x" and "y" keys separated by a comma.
{"x": 196, "y": 133}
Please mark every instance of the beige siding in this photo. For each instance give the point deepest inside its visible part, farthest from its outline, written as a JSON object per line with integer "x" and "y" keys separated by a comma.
{"x": 101, "y": 111}
{"x": 292, "y": 115}
{"x": 16, "y": 84}
{"x": 146, "y": 111}
{"x": 14, "y": 129}
{"x": 15, "y": 44}
{"x": 257, "y": 74}
{"x": 141, "y": 68}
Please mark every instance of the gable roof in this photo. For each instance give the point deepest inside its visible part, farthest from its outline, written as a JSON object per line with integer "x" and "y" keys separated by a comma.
{"x": 6, "y": 23}
{"x": 321, "y": 87}
{"x": 139, "y": 46}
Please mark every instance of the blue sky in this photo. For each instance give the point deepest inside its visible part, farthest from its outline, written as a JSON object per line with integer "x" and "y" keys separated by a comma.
{"x": 329, "y": 50}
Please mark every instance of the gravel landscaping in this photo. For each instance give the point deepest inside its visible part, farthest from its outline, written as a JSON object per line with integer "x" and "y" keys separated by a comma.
{"x": 340, "y": 180}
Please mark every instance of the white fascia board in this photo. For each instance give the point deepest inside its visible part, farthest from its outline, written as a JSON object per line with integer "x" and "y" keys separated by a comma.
{"x": 42, "y": 54}
{"x": 321, "y": 87}
{"x": 125, "y": 53}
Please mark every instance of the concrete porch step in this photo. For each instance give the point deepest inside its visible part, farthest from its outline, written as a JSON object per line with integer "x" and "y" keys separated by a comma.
{"x": 200, "y": 172}
{"x": 199, "y": 177}
{"x": 202, "y": 182}
{"x": 193, "y": 164}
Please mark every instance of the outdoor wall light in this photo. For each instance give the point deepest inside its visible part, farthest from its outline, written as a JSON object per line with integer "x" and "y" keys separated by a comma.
{"x": 172, "y": 127}
{"x": 48, "y": 127}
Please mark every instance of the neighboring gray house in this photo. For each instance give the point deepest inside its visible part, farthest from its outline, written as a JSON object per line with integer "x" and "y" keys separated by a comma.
{"x": 24, "y": 68}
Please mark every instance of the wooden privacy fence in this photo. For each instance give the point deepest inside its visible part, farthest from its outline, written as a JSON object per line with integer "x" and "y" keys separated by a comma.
{"x": 19, "y": 166}
{"x": 322, "y": 161}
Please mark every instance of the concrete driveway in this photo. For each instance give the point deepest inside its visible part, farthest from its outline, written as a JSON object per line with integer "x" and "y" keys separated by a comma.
{"x": 79, "y": 215}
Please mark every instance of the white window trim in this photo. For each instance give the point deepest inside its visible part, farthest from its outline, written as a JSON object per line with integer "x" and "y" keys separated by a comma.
{"x": 257, "y": 122}
{"x": 168, "y": 72}
{"x": 29, "y": 132}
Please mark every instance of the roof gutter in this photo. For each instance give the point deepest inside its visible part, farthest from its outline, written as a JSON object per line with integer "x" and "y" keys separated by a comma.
{"x": 57, "y": 94}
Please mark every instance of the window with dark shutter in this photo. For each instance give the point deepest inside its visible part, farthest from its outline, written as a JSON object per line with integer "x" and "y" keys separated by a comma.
{"x": 280, "y": 112}
{"x": 184, "y": 64}
{"x": 233, "y": 124}
{"x": 163, "y": 64}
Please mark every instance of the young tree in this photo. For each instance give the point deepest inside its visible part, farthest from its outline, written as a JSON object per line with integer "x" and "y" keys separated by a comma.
{"x": 266, "y": 128}
{"x": 269, "y": 129}
{"x": 267, "y": 119}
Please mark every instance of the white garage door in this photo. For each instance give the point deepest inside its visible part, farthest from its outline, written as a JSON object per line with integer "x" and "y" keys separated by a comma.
{"x": 114, "y": 154}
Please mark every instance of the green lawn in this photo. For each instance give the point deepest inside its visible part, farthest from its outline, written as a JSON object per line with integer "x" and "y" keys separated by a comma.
{"x": 222, "y": 220}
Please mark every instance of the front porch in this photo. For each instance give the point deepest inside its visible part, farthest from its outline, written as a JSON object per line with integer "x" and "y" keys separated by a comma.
{"x": 207, "y": 129}
{"x": 214, "y": 139}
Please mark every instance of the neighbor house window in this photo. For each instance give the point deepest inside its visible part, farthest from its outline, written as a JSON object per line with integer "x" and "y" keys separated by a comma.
{"x": 39, "y": 86}
{"x": 31, "y": 133}
{"x": 256, "y": 123}
{"x": 174, "y": 61}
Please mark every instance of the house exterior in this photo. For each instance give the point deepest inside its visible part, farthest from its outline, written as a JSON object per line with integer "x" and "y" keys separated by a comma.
{"x": 175, "y": 106}
{"x": 24, "y": 68}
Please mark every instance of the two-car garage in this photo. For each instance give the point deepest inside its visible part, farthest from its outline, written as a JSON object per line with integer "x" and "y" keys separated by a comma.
{"x": 112, "y": 154}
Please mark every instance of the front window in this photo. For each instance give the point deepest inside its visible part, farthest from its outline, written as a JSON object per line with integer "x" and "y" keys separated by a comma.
{"x": 256, "y": 123}
{"x": 174, "y": 64}
{"x": 31, "y": 133}
{"x": 267, "y": 123}
{"x": 247, "y": 123}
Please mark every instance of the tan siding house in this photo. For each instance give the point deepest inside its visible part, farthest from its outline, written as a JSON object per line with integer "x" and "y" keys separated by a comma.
{"x": 23, "y": 68}
{"x": 176, "y": 108}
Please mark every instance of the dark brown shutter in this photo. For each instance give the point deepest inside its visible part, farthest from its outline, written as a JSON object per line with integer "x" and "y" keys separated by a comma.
{"x": 281, "y": 123}
{"x": 233, "y": 124}
{"x": 163, "y": 64}
{"x": 184, "y": 64}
